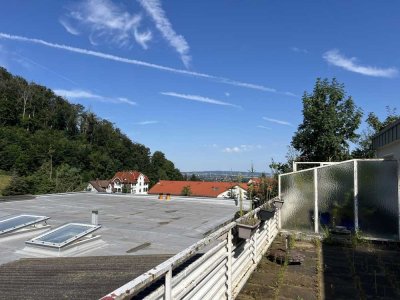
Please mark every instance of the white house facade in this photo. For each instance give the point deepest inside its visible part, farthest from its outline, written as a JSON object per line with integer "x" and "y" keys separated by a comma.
{"x": 130, "y": 182}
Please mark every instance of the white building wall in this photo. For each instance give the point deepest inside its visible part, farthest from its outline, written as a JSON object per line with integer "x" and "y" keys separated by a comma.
{"x": 235, "y": 191}
{"x": 91, "y": 189}
{"x": 390, "y": 151}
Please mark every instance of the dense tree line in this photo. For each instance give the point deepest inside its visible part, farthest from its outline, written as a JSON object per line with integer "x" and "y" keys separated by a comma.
{"x": 51, "y": 145}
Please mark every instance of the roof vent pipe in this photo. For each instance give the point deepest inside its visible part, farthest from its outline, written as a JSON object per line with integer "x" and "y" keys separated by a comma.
{"x": 95, "y": 217}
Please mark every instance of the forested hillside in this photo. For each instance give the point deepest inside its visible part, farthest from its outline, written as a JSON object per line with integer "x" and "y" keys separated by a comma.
{"x": 50, "y": 145}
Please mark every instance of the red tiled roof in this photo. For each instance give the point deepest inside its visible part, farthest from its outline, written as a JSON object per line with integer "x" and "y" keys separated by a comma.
{"x": 198, "y": 188}
{"x": 129, "y": 177}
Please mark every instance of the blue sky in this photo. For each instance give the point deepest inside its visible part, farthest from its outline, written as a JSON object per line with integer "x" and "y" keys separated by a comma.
{"x": 215, "y": 85}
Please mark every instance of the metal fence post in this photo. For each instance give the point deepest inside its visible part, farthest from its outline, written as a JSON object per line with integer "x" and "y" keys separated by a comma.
{"x": 280, "y": 198}
{"x": 316, "y": 214}
{"x": 279, "y": 187}
{"x": 229, "y": 248}
{"x": 356, "y": 196}
{"x": 168, "y": 281}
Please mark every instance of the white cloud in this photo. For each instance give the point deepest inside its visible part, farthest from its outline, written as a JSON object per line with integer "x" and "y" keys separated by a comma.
{"x": 277, "y": 121}
{"x": 68, "y": 27}
{"x": 178, "y": 42}
{"x": 147, "y": 122}
{"x": 299, "y": 50}
{"x": 241, "y": 148}
{"x": 227, "y": 94}
{"x": 135, "y": 62}
{"x": 290, "y": 94}
{"x": 264, "y": 127}
{"x": 106, "y": 22}
{"x": 198, "y": 98}
{"x": 143, "y": 37}
{"x": 82, "y": 94}
{"x": 335, "y": 58}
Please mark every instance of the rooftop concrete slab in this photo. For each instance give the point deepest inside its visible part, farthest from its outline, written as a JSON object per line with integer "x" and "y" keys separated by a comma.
{"x": 131, "y": 225}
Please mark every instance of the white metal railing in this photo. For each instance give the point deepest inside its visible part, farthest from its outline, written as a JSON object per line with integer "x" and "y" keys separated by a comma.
{"x": 219, "y": 273}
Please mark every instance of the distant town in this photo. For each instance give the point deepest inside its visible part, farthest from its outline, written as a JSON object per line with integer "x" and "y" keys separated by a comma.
{"x": 223, "y": 175}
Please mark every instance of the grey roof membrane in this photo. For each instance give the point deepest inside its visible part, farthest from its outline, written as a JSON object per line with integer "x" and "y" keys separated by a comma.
{"x": 131, "y": 225}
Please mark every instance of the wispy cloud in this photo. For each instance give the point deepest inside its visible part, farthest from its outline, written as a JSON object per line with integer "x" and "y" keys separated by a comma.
{"x": 281, "y": 122}
{"x": 82, "y": 94}
{"x": 198, "y": 98}
{"x": 28, "y": 60}
{"x": 136, "y": 62}
{"x": 335, "y": 58}
{"x": 264, "y": 127}
{"x": 178, "y": 42}
{"x": 147, "y": 122}
{"x": 142, "y": 38}
{"x": 106, "y": 22}
{"x": 68, "y": 27}
{"x": 241, "y": 148}
{"x": 299, "y": 50}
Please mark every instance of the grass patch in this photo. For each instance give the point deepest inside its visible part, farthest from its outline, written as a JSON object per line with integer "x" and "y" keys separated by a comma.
{"x": 4, "y": 182}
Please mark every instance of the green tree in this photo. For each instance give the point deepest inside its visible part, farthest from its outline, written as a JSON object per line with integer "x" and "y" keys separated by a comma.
{"x": 374, "y": 125}
{"x": 186, "y": 191}
{"x": 194, "y": 178}
{"x": 330, "y": 121}
{"x": 55, "y": 146}
{"x": 17, "y": 186}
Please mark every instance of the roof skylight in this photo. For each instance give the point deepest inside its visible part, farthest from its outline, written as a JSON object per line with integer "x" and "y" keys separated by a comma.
{"x": 64, "y": 235}
{"x": 19, "y": 222}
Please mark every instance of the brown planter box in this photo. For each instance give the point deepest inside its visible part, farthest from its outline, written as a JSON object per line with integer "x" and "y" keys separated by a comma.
{"x": 245, "y": 231}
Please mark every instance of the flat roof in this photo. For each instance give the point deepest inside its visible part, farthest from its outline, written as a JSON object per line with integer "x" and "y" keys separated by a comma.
{"x": 131, "y": 225}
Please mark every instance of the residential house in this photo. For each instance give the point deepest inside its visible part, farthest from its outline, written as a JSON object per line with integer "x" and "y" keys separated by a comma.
{"x": 132, "y": 182}
{"x": 99, "y": 186}
{"x": 200, "y": 189}
{"x": 386, "y": 142}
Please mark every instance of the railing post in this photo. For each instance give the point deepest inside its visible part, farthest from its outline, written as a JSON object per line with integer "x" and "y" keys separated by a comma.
{"x": 168, "y": 288}
{"x": 355, "y": 196}
{"x": 316, "y": 214}
{"x": 280, "y": 198}
{"x": 255, "y": 247}
{"x": 229, "y": 248}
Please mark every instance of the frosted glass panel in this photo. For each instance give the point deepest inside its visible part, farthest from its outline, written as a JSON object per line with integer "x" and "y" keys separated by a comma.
{"x": 297, "y": 191}
{"x": 335, "y": 195}
{"x": 377, "y": 198}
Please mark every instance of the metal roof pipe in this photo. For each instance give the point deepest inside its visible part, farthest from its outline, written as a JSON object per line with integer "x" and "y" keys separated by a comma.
{"x": 95, "y": 217}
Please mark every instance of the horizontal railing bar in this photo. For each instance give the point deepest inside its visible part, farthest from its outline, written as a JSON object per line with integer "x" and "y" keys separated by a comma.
{"x": 135, "y": 285}
{"x": 337, "y": 163}
{"x": 191, "y": 270}
{"x": 200, "y": 283}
